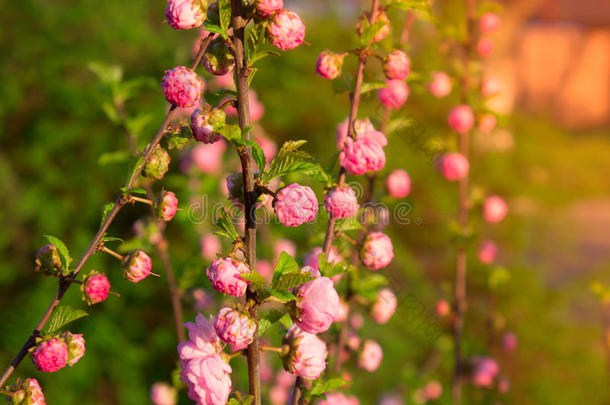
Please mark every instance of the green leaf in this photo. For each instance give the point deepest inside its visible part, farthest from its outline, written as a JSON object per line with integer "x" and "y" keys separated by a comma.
{"x": 248, "y": 400}
{"x": 111, "y": 112}
{"x": 107, "y": 158}
{"x": 225, "y": 223}
{"x": 224, "y": 13}
{"x": 288, "y": 155}
{"x": 421, "y": 5}
{"x": 330, "y": 269}
{"x": 291, "y": 280}
{"x": 285, "y": 264}
{"x": 498, "y": 277}
{"x": 258, "y": 155}
{"x": 232, "y": 133}
{"x": 260, "y": 54}
{"x": 369, "y": 31}
{"x": 135, "y": 190}
{"x": 107, "y": 74}
{"x": 63, "y": 251}
{"x": 137, "y": 124}
{"x": 371, "y": 86}
{"x": 348, "y": 224}
{"x": 311, "y": 169}
{"x": 62, "y": 316}
{"x": 255, "y": 278}
{"x": 255, "y": 37}
{"x": 282, "y": 296}
{"x": 368, "y": 286}
{"x": 321, "y": 387}
{"x": 107, "y": 208}
{"x": 107, "y": 239}
{"x": 268, "y": 320}
{"x": 215, "y": 29}
{"x": 179, "y": 138}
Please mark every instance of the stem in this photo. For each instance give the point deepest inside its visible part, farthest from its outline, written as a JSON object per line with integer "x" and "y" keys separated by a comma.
{"x": 296, "y": 391}
{"x": 242, "y": 72}
{"x": 133, "y": 198}
{"x": 271, "y": 349}
{"x": 459, "y": 305}
{"x": 64, "y": 283}
{"x": 112, "y": 253}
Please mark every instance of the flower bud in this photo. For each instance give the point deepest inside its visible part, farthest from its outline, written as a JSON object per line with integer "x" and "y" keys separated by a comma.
{"x": 487, "y": 123}
{"x": 286, "y": 30}
{"x": 453, "y": 166}
{"x": 48, "y": 260}
{"x": 26, "y": 392}
{"x": 440, "y": 86}
{"x": 137, "y": 266}
{"x": 341, "y": 202}
{"x": 396, "y": 65}
{"x": 76, "y": 346}
{"x": 485, "y": 47}
{"x": 510, "y": 342}
{"x": 383, "y": 30}
{"x": 487, "y": 251}
{"x": 95, "y": 287}
{"x": 218, "y": 59}
{"x": 362, "y": 155}
{"x": 182, "y": 87}
{"x": 490, "y": 86}
{"x": 185, "y": 14}
{"x": 167, "y": 205}
{"x": 234, "y": 328}
{"x": 202, "y": 124}
{"x": 157, "y": 164}
{"x": 494, "y": 209}
{"x": 50, "y": 355}
{"x": 162, "y": 394}
{"x": 295, "y": 205}
{"x": 224, "y": 275}
{"x": 461, "y": 119}
{"x": 384, "y": 306}
{"x": 307, "y": 354}
{"x": 433, "y": 390}
{"x": 266, "y": 8}
{"x": 370, "y": 357}
{"x": 485, "y": 369}
{"x": 362, "y": 129}
{"x": 489, "y": 22}
{"x": 398, "y": 184}
{"x": 317, "y": 305}
{"x": 394, "y": 94}
{"x": 442, "y": 308}
{"x": 377, "y": 251}
{"x": 329, "y": 64}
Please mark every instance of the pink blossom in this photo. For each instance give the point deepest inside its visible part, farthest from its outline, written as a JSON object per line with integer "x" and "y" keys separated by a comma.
{"x": 356, "y": 321}
{"x": 182, "y": 87}
{"x": 184, "y": 14}
{"x": 224, "y": 274}
{"x": 487, "y": 123}
{"x": 396, "y": 65}
{"x": 257, "y": 109}
{"x": 234, "y": 328}
{"x": 210, "y": 246}
{"x": 343, "y": 311}
{"x": 485, "y": 47}
{"x": 76, "y": 347}
{"x": 384, "y": 306}
{"x": 485, "y": 370}
{"x": 286, "y": 30}
{"x": 307, "y": 354}
{"x": 162, "y": 394}
{"x": 489, "y": 22}
{"x": 284, "y": 379}
{"x": 353, "y": 340}
{"x": 339, "y": 398}
{"x": 311, "y": 258}
{"x": 443, "y": 308}
{"x": 494, "y": 209}
{"x": 453, "y": 166}
{"x": 268, "y": 7}
{"x": 510, "y": 342}
{"x": 377, "y": 251}
{"x": 362, "y": 155}
{"x": 461, "y": 119}
{"x": 341, "y": 202}
{"x": 167, "y": 205}
{"x": 391, "y": 399}
{"x": 362, "y": 129}
{"x": 208, "y": 158}
{"x": 295, "y": 205}
{"x": 370, "y": 357}
{"x": 433, "y": 390}
{"x": 317, "y": 305}
{"x": 394, "y": 95}
{"x": 398, "y": 184}
{"x": 383, "y": 31}
{"x": 208, "y": 380}
{"x": 440, "y": 86}
{"x": 284, "y": 245}
{"x": 487, "y": 251}
{"x": 503, "y": 385}
{"x": 202, "y": 342}
{"x": 329, "y": 64}
{"x": 278, "y": 395}
{"x": 26, "y": 392}
{"x": 202, "y": 124}
{"x": 50, "y": 355}
{"x": 490, "y": 86}
{"x": 137, "y": 267}
{"x": 95, "y": 288}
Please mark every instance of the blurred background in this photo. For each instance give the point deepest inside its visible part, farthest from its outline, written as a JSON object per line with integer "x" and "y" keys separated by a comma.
{"x": 61, "y": 160}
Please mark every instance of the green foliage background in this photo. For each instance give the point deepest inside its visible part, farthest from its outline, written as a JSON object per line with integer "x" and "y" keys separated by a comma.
{"x": 53, "y": 131}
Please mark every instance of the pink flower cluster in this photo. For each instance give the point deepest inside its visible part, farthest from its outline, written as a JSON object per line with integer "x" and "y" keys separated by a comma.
{"x": 362, "y": 129}
{"x": 224, "y": 274}
{"x": 286, "y": 30}
{"x": 317, "y": 305}
{"x": 487, "y": 251}
{"x": 266, "y": 8}
{"x": 377, "y": 251}
{"x": 362, "y": 155}
{"x": 162, "y": 394}
{"x": 26, "y": 392}
{"x": 203, "y": 127}
{"x": 461, "y": 119}
{"x": 55, "y": 353}
{"x": 295, "y": 205}
{"x": 494, "y": 209}
{"x": 339, "y": 398}
{"x": 341, "y": 202}
{"x": 307, "y": 354}
{"x": 440, "y": 86}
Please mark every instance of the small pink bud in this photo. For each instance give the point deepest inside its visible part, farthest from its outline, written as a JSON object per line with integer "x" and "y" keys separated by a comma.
{"x": 158, "y": 163}
{"x": 440, "y": 86}
{"x": 433, "y": 390}
{"x": 48, "y": 261}
{"x": 341, "y": 202}
{"x": 307, "y": 354}
{"x": 443, "y": 308}
{"x": 234, "y": 328}
{"x": 485, "y": 47}
{"x": 162, "y": 394}
{"x": 485, "y": 369}
{"x": 396, "y": 65}
{"x": 384, "y": 306}
{"x": 317, "y": 305}
{"x": 26, "y": 392}
{"x": 503, "y": 385}
{"x": 398, "y": 184}
{"x": 184, "y": 14}
{"x": 487, "y": 123}
{"x": 208, "y": 158}
{"x": 394, "y": 95}
{"x": 356, "y": 321}
{"x": 329, "y": 64}
{"x": 182, "y": 87}
{"x": 362, "y": 155}
{"x": 207, "y": 379}
{"x": 137, "y": 267}
{"x": 391, "y": 399}
{"x": 95, "y": 287}
{"x": 489, "y": 22}
{"x": 210, "y": 246}
{"x": 224, "y": 275}
{"x": 487, "y": 251}
{"x": 266, "y": 8}
{"x": 382, "y": 32}
{"x": 353, "y": 340}
{"x": 510, "y": 342}
{"x": 286, "y": 30}
{"x": 50, "y": 355}
{"x": 461, "y": 119}
{"x": 218, "y": 59}
{"x": 377, "y": 251}
{"x": 202, "y": 124}
{"x": 494, "y": 209}
{"x": 453, "y": 166}
{"x": 295, "y": 205}
{"x": 167, "y": 206}
{"x": 371, "y": 356}
{"x": 76, "y": 347}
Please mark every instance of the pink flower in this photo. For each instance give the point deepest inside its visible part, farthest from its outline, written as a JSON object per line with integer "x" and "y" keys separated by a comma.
{"x": 490, "y": 86}
{"x": 208, "y": 380}
{"x": 396, "y": 65}
{"x": 485, "y": 370}
{"x": 182, "y": 87}
{"x": 453, "y": 166}
{"x": 384, "y": 306}
{"x": 210, "y": 246}
{"x": 461, "y": 119}
{"x": 286, "y": 30}
{"x": 370, "y": 357}
{"x": 394, "y": 95}
{"x": 383, "y": 31}
{"x": 363, "y": 129}
{"x": 266, "y": 8}
{"x": 137, "y": 267}
{"x": 353, "y": 340}
{"x": 26, "y": 392}
{"x": 162, "y": 394}
{"x": 487, "y": 251}
{"x": 202, "y": 342}
{"x": 494, "y": 209}
{"x": 398, "y": 184}
{"x": 338, "y": 398}
{"x": 278, "y": 395}
{"x": 485, "y": 47}
{"x": 167, "y": 205}
{"x": 391, "y": 399}
{"x": 342, "y": 313}
{"x": 184, "y": 14}
{"x": 76, "y": 347}
{"x": 224, "y": 275}
{"x": 377, "y": 251}
{"x": 307, "y": 354}
{"x": 284, "y": 245}
{"x": 341, "y": 202}
{"x": 95, "y": 288}
{"x": 440, "y": 86}
{"x": 317, "y": 305}
{"x": 311, "y": 258}
{"x": 443, "y": 308}
{"x": 295, "y": 204}
{"x": 510, "y": 342}
{"x": 503, "y": 385}
{"x": 433, "y": 390}
{"x": 362, "y": 155}
{"x": 208, "y": 158}
{"x": 284, "y": 379}
{"x": 487, "y": 122}
{"x": 489, "y": 22}
{"x": 329, "y": 64}
{"x": 50, "y": 355}
{"x": 234, "y": 328}
{"x": 202, "y": 124}
{"x": 356, "y": 321}
{"x": 257, "y": 109}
